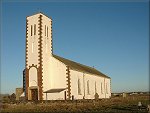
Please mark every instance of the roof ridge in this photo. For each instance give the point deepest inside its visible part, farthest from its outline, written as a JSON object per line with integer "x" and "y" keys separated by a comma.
{"x": 76, "y": 62}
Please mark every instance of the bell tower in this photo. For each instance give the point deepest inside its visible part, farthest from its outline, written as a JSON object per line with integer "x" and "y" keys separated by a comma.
{"x": 38, "y": 51}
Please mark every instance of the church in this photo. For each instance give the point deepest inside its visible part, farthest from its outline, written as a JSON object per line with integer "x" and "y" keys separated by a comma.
{"x": 50, "y": 77}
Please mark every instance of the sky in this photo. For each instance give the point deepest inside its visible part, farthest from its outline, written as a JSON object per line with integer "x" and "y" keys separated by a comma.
{"x": 112, "y": 36}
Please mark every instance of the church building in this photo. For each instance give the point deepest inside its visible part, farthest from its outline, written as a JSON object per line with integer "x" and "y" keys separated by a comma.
{"x": 50, "y": 77}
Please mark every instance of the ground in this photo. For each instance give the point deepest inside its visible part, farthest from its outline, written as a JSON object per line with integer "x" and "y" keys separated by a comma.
{"x": 112, "y": 105}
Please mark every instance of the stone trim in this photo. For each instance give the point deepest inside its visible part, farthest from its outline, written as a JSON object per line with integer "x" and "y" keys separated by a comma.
{"x": 29, "y": 88}
{"x": 40, "y": 68}
{"x": 26, "y": 54}
{"x": 24, "y": 81}
{"x": 26, "y": 63}
{"x": 33, "y": 66}
{"x": 68, "y": 83}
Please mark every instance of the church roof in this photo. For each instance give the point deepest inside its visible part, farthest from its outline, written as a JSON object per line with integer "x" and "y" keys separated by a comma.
{"x": 80, "y": 67}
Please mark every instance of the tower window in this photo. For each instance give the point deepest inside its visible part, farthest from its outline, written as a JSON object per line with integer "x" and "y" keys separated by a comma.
{"x": 88, "y": 88}
{"x": 32, "y": 46}
{"x": 79, "y": 87}
{"x": 34, "y": 29}
{"x": 31, "y": 30}
{"x": 47, "y": 31}
{"x": 46, "y": 48}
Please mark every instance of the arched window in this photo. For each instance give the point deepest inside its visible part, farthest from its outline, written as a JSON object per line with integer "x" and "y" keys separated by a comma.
{"x": 47, "y": 31}
{"x": 88, "y": 87}
{"x": 31, "y": 30}
{"x": 106, "y": 88}
{"x": 33, "y": 77}
{"x": 79, "y": 87}
{"x": 101, "y": 87}
{"x": 34, "y": 29}
{"x": 95, "y": 88}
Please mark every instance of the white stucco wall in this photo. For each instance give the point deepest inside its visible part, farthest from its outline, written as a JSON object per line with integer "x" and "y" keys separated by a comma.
{"x": 84, "y": 77}
{"x": 32, "y": 41}
{"x": 55, "y": 96}
{"x": 32, "y": 49}
{"x": 55, "y": 78}
{"x": 46, "y": 52}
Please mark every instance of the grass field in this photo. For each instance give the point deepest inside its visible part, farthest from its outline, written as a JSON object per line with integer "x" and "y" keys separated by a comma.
{"x": 113, "y": 105}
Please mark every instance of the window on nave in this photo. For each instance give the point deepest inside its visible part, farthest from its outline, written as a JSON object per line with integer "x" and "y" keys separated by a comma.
{"x": 88, "y": 87}
{"x": 79, "y": 87}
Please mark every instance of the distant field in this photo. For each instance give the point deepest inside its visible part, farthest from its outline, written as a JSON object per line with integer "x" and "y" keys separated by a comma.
{"x": 113, "y": 105}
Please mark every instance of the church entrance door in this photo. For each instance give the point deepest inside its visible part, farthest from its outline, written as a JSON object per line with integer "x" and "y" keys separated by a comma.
{"x": 34, "y": 94}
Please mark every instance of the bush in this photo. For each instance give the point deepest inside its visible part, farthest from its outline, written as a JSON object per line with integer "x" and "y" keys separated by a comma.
{"x": 6, "y": 99}
{"x": 12, "y": 97}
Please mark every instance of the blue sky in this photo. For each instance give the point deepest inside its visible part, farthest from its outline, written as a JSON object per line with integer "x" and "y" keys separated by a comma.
{"x": 111, "y": 36}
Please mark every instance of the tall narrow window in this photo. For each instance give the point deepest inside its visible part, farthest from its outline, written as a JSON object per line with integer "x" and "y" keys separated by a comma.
{"x": 106, "y": 88}
{"x": 95, "y": 88}
{"x": 32, "y": 47}
{"x": 46, "y": 47}
{"x": 79, "y": 87}
{"x": 47, "y": 31}
{"x": 88, "y": 88}
{"x": 31, "y": 30}
{"x": 101, "y": 87}
{"x": 34, "y": 29}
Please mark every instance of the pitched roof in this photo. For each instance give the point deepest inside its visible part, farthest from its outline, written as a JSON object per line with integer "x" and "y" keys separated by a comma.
{"x": 80, "y": 67}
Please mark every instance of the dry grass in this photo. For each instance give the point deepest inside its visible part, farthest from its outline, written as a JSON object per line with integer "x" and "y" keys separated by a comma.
{"x": 113, "y": 105}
